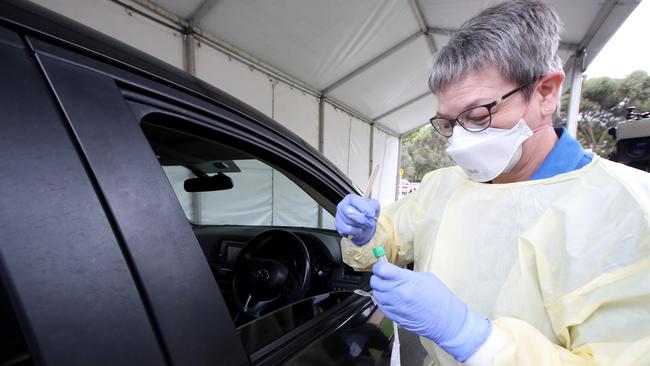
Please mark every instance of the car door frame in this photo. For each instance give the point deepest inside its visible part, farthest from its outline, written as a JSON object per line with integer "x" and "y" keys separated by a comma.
{"x": 61, "y": 261}
{"x": 186, "y": 308}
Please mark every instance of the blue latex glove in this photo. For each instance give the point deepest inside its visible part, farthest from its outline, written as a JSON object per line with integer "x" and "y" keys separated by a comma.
{"x": 357, "y": 216}
{"x": 419, "y": 302}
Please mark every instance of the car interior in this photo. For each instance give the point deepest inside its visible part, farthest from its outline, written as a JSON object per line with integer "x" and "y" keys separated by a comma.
{"x": 270, "y": 245}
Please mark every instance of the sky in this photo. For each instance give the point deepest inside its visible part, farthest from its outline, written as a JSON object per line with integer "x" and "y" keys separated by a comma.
{"x": 627, "y": 50}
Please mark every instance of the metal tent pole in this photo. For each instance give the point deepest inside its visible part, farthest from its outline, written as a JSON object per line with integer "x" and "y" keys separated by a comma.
{"x": 576, "y": 91}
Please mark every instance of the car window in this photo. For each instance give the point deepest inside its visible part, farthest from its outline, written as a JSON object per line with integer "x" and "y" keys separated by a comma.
{"x": 258, "y": 333}
{"x": 259, "y": 226}
{"x": 258, "y": 194}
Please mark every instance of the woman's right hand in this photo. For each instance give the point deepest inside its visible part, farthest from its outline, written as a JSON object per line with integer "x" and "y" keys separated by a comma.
{"x": 357, "y": 217}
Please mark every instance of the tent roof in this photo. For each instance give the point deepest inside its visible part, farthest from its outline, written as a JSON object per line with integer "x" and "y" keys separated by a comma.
{"x": 372, "y": 55}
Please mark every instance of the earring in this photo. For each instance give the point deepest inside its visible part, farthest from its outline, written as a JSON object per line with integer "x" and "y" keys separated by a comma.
{"x": 546, "y": 110}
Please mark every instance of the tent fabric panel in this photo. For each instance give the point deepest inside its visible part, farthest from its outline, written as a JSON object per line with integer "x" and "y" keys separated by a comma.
{"x": 385, "y": 150}
{"x": 177, "y": 176}
{"x": 450, "y": 14}
{"x": 359, "y": 152}
{"x": 565, "y": 55}
{"x": 183, "y": 8}
{"x": 296, "y": 110}
{"x": 328, "y": 221}
{"x": 326, "y": 40}
{"x": 577, "y": 16}
{"x": 235, "y": 78}
{"x": 441, "y": 40}
{"x": 380, "y": 88}
{"x": 336, "y": 137}
{"x": 129, "y": 27}
{"x": 291, "y": 205}
{"x": 619, "y": 13}
{"x": 249, "y": 202}
{"x": 412, "y": 116}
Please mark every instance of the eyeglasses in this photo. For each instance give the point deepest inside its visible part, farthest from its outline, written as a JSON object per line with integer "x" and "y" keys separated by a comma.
{"x": 475, "y": 119}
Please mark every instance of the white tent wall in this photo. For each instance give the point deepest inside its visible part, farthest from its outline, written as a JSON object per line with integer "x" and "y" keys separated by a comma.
{"x": 177, "y": 176}
{"x": 291, "y": 205}
{"x": 385, "y": 149}
{"x": 249, "y": 202}
{"x": 296, "y": 110}
{"x": 346, "y": 140}
{"x": 147, "y": 35}
{"x": 235, "y": 78}
{"x": 336, "y": 136}
{"x": 359, "y": 152}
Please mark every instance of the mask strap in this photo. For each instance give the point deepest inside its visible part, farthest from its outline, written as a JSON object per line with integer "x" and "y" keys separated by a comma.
{"x": 541, "y": 127}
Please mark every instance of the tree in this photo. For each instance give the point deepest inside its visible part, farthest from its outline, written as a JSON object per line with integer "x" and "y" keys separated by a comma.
{"x": 602, "y": 106}
{"x": 635, "y": 90}
{"x": 422, "y": 152}
{"x": 600, "y": 109}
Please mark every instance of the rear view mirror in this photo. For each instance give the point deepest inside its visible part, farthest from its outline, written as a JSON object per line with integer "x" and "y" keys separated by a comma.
{"x": 206, "y": 183}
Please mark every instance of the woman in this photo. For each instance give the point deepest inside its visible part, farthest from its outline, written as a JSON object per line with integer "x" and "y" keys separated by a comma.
{"x": 530, "y": 251}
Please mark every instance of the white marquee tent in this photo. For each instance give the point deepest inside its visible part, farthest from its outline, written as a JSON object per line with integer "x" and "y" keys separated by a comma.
{"x": 349, "y": 77}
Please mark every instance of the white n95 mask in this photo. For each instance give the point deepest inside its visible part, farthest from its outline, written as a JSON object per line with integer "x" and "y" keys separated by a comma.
{"x": 486, "y": 154}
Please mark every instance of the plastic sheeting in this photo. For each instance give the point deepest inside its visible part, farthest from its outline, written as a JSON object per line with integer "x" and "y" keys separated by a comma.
{"x": 129, "y": 27}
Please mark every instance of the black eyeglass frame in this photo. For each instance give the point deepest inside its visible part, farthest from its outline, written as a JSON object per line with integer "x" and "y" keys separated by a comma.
{"x": 488, "y": 106}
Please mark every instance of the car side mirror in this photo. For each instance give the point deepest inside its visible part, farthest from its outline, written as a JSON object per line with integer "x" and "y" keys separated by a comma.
{"x": 217, "y": 182}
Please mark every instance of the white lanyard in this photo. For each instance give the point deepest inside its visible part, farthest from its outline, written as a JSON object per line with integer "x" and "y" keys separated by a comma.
{"x": 394, "y": 356}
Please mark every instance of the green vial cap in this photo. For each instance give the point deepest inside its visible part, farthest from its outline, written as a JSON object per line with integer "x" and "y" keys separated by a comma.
{"x": 378, "y": 252}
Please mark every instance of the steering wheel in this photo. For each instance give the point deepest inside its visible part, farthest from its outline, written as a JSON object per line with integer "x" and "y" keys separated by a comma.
{"x": 272, "y": 270}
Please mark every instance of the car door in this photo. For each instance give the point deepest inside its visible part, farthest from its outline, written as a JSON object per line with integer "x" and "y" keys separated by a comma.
{"x": 104, "y": 105}
{"x": 177, "y": 286}
{"x": 62, "y": 263}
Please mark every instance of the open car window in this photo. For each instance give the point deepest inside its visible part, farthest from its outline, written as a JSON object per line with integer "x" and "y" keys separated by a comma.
{"x": 220, "y": 185}
{"x": 258, "y": 224}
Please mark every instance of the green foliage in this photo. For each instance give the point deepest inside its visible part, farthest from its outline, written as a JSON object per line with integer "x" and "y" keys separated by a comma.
{"x": 422, "y": 152}
{"x": 635, "y": 90}
{"x": 602, "y": 106}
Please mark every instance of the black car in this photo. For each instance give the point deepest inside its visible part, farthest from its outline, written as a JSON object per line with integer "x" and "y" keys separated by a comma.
{"x": 147, "y": 218}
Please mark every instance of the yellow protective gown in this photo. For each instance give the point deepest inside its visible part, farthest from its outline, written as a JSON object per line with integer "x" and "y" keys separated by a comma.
{"x": 561, "y": 265}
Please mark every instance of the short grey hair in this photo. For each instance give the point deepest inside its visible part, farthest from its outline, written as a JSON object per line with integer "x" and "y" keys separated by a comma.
{"x": 519, "y": 37}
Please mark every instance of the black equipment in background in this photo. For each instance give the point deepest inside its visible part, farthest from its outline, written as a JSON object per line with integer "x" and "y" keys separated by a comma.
{"x": 632, "y": 140}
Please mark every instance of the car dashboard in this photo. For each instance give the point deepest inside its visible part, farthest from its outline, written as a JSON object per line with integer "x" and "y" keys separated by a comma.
{"x": 222, "y": 244}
